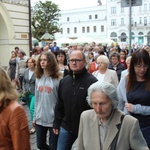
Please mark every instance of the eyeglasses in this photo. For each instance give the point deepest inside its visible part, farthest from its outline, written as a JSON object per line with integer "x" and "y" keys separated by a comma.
{"x": 141, "y": 66}
{"x": 75, "y": 60}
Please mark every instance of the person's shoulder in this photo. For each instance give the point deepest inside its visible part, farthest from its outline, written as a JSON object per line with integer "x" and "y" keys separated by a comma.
{"x": 13, "y": 105}
{"x": 130, "y": 119}
{"x": 87, "y": 113}
{"x": 111, "y": 71}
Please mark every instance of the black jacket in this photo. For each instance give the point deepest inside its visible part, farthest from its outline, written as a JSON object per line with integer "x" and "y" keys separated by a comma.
{"x": 72, "y": 100}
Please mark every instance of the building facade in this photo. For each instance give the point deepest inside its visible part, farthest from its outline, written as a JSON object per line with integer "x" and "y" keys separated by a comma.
{"x": 14, "y": 28}
{"x": 110, "y": 21}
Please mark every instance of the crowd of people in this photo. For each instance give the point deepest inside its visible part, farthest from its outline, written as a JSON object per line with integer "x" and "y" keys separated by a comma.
{"x": 86, "y": 97}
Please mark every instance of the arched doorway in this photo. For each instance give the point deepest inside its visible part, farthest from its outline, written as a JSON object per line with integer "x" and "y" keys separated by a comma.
{"x": 140, "y": 38}
{"x": 123, "y": 37}
{"x": 113, "y": 36}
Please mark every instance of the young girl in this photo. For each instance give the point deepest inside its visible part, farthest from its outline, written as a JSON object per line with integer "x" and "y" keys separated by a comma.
{"x": 48, "y": 76}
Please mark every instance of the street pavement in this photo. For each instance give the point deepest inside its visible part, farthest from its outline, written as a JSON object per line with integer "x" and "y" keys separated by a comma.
{"x": 32, "y": 136}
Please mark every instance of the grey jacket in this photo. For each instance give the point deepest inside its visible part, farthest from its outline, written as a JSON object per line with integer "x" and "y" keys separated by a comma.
{"x": 46, "y": 95}
{"x": 130, "y": 136}
{"x": 29, "y": 85}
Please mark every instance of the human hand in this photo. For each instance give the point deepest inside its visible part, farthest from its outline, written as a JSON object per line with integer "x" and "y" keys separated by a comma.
{"x": 56, "y": 131}
{"x": 33, "y": 123}
{"x": 129, "y": 107}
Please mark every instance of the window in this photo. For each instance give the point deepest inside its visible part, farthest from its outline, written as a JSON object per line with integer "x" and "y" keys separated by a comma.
{"x": 140, "y": 20}
{"x": 113, "y": 22}
{"x": 68, "y": 30}
{"x": 96, "y": 16}
{"x": 113, "y": 34}
{"x": 132, "y": 21}
{"x": 61, "y": 30}
{"x": 140, "y": 38}
{"x": 145, "y": 7}
{"x": 88, "y": 29}
{"x": 123, "y": 37}
{"x": 140, "y": 8}
{"x": 122, "y": 9}
{"x": 102, "y": 28}
{"x": 145, "y": 20}
{"x": 68, "y": 19}
{"x": 113, "y": 10}
{"x": 83, "y": 29}
{"x": 94, "y": 28}
{"x": 90, "y": 16}
{"x": 75, "y": 30}
{"x": 122, "y": 21}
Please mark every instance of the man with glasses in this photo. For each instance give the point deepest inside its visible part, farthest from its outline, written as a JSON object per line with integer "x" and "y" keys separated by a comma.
{"x": 72, "y": 100}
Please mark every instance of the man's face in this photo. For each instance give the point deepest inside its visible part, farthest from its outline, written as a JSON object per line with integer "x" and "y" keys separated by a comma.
{"x": 76, "y": 61}
{"x": 101, "y": 105}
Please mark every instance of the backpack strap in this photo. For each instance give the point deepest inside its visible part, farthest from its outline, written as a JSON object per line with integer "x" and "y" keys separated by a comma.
{"x": 114, "y": 142}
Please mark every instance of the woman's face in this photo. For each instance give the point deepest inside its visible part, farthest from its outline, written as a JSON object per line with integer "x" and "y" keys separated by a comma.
{"x": 30, "y": 64}
{"x": 122, "y": 55}
{"x": 102, "y": 65}
{"x": 60, "y": 58}
{"x": 13, "y": 55}
{"x": 140, "y": 70}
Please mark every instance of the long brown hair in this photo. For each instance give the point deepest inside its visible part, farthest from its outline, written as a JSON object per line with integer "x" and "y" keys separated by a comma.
{"x": 7, "y": 91}
{"x": 52, "y": 66}
{"x": 138, "y": 57}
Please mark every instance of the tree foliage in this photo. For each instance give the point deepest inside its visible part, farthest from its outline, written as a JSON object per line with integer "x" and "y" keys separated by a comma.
{"x": 45, "y": 17}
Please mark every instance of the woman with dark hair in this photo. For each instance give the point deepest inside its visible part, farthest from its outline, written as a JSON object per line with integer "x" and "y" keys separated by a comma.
{"x": 62, "y": 62}
{"x": 29, "y": 87}
{"x": 48, "y": 76}
{"x": 134, "y": 90}
{"x": 11, "y": 69}
{"x": 123, "y": 58}
{"x": 14, "y": 131}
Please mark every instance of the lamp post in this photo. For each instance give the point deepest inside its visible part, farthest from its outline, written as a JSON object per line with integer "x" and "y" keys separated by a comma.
{"x": 130, "y": 4}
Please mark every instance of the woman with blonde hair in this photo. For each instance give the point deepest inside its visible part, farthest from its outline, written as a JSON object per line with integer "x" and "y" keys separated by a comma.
{"x": 48, "y": 76}
{"x": 103, "y": 73}
{"x": 14, "y": 131}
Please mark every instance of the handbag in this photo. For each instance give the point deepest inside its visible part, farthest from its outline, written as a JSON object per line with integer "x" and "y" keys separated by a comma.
{"x": 146, "y": 134}
{"x": 114, "y": 142}
{"x": 24, "y": 97}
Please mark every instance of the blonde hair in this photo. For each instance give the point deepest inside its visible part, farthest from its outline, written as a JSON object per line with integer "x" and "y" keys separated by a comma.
{"x": 7, "y": 91}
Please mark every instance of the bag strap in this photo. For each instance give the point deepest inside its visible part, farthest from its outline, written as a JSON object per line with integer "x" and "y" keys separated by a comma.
{"x": 114, "y": 142}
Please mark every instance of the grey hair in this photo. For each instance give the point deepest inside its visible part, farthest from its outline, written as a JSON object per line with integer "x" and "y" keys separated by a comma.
{"x": 107, "y": 88}
{"x": 103, "y": 59}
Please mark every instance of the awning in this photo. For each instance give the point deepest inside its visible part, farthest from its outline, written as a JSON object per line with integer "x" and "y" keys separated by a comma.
{"x": 122, "y": 37}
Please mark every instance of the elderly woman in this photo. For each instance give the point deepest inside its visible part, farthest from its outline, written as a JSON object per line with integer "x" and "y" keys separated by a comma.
{"x": 105, "y": 127}
{"x": 103, "y": 73}
{"x": 14, "y": 131}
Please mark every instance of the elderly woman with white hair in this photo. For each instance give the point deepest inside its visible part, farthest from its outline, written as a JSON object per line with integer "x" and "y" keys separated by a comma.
{"x": 103, "y": 73}
{"x": 105, "y": 127}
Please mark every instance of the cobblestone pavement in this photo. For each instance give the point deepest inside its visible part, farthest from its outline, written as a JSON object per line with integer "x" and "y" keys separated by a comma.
{"x": 32, "y": 136}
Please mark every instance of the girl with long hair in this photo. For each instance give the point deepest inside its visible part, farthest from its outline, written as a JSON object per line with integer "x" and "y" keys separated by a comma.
{"x": 48, "y": 76}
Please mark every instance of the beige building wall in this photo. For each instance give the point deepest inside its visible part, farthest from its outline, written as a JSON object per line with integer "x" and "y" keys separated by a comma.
{"x": 14, "y": 29}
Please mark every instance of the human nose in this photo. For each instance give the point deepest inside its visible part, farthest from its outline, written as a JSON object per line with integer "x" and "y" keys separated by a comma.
{"x": 97, "y": 108}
